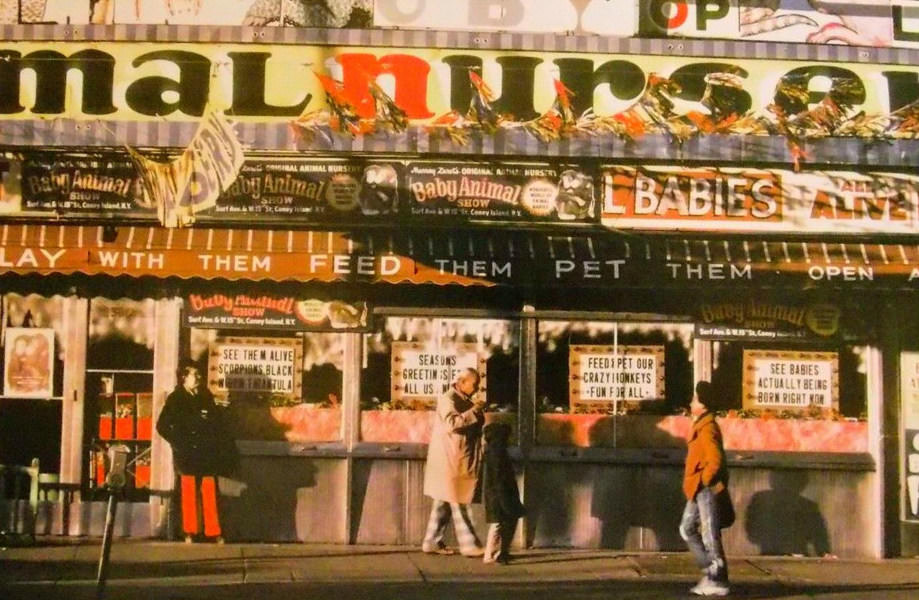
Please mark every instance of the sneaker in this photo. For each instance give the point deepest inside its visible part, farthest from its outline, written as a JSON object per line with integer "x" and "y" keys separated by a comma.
{"x": 707, "y": 587}
{"x": 436, "y": 549}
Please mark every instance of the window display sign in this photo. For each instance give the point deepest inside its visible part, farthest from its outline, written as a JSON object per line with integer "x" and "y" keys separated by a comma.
{"x": 600, "y": 376}
{"x": 488, "y": 191}
{"x": 788, "y": 380}
{"x": 29, "y": 362}
{"x": 244, "y": 311}
{"x": 717, "y": 199}
{"x": 255, "y": 367}
{"x": 757, "y": 319}
{"x": 421, "y": 374}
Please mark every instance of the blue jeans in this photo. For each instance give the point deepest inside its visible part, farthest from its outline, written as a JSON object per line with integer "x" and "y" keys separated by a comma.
{"x": 700, "y": 527}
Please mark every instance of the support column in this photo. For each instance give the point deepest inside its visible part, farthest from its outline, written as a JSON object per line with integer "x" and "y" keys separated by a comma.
{"x": 885, "y": 427}
{"x": 165, "y": 365}
{"x": 351, "y": 420}
{"x": 526, "y": 410}
{"x": 74, "y": 318}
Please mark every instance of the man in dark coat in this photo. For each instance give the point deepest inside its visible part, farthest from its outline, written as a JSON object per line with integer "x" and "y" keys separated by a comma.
{"x": 193, "y": 425}
{"x": 500, "y": 494}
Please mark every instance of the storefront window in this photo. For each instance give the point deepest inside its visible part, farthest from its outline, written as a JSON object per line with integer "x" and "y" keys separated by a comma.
{"x": 612, "y": 384}
{"x": 276, "y": 388}
{"x": 119, "y": 389}
{"x": 32, "y": 364}
{"x": 786, "y": 397}
{"x": 410, "y": 361}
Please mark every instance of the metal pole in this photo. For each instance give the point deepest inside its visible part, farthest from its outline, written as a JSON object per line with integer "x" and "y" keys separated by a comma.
{"x": 102, "y": 573}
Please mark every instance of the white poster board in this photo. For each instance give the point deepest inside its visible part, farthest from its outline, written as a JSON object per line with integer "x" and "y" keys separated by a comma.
{"x": 789, "y": 380}
{"x": 255, "y": 367}
{"x": 603, "y": 375}
{"x": 28, "y": 362}
{"x": 421, "y": 374}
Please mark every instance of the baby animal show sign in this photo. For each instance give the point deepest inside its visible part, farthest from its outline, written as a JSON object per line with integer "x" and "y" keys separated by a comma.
{"x": 790, "y": 380}
{"x": 601, "y": 375}
{"x": 421, "y": 374}
{"x": 255, "y": 367}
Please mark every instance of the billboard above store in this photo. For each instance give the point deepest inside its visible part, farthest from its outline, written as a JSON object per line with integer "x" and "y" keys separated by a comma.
{"x": 759, "y": 200}
{"x": 284, "y": 313}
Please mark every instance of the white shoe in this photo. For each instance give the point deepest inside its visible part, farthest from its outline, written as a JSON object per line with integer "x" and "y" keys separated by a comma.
{"x": 707, "y": 587}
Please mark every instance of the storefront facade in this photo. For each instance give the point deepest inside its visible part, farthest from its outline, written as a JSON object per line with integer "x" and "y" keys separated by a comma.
{"x": 330, "y": 282}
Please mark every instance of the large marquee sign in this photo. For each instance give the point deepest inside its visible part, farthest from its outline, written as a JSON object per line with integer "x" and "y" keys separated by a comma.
{"x": 358, "y": 91}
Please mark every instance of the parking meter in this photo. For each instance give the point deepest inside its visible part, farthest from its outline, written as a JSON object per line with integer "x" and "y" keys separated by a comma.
{"x": 118, "y": 463}
{"x": 115, "y": 480}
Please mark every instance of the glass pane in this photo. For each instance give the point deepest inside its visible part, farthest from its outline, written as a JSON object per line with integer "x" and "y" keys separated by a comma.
{"x": 410, "y": 361}
{"x": 276, "y": 395}
{"x": 612, "y": 384}
{"x": 806, "y": 399}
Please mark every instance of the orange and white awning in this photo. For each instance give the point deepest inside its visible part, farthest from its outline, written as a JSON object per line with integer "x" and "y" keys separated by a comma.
{"x": 442, "y": 257}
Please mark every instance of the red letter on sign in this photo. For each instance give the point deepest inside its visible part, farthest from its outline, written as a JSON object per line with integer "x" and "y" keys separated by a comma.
{"x": 410, "y": 72}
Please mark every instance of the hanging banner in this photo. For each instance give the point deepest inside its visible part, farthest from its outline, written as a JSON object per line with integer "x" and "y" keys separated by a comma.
{"x": 531, "y": 192}
{"x": 599, "y": 377}
{"x": 758, "y": 319}
{"x": 240, "y": 367}
{"x": 193, "y": 182}
{"x": 421, "y": 374}
{"x": 789, "y": 380}
{"x": 28, "y": 362}
{"x": 285, "y": 313}
{"x": 739, "y": 200}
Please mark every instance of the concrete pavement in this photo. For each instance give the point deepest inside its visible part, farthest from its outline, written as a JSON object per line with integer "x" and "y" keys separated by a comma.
{"x": 65, "y": 568}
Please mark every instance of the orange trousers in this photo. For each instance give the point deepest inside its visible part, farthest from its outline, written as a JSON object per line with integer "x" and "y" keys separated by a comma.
{"x": 207, "y": 485}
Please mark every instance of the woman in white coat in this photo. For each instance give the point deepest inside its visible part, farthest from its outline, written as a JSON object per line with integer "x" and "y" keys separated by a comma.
{"x": 453, "y": 468}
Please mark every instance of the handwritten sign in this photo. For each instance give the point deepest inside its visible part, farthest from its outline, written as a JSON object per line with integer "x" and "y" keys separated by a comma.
{"x": 255, "y": 367}
{"x": 600, "y": 375}
{"x": 421, "y": 374}
{"x": 790, "y": 380}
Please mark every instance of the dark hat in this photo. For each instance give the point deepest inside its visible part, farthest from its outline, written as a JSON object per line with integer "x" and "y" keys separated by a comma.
{"x": 705, "y": 394}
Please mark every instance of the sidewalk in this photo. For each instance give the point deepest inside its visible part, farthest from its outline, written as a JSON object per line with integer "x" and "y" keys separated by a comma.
{"x": 65, "y": 568}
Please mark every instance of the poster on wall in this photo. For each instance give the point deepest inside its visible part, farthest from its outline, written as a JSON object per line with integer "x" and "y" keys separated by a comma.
{"x": 532, "y": 192}
{"x": 421, "y": 374}
{"x": 286, "y": 313}
{"x": 909, "y": 414}
{"x": 273, "y": 189}
{"x": 602, "y": 376}
{"x": 544, "y": 16}
{"x": 251, "y": 367}
{"x": 312, "y": 188}
{"x": 82, "y": 185}
{"x": 762, "y": 319}
{"x": 726, "y": 199}
{"x": 852, "y": 23}
{"x": 790, "y": 380}
{"x": 28, "y": 362}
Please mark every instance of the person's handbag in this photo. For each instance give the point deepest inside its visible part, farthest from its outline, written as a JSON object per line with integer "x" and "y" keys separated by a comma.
{"x": 725, "y": 507}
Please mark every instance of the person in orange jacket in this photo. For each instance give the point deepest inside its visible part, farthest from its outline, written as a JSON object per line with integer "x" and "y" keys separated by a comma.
{"x": 704, "y": 478}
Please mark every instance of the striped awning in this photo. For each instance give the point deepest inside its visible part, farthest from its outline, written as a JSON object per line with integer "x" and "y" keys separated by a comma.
{"x": 441, "y": 257}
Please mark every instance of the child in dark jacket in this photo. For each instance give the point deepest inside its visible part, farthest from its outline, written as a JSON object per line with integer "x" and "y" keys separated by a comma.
{"x": 500, "y": 494}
